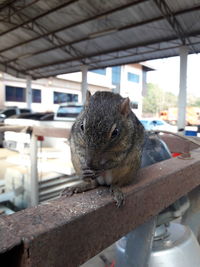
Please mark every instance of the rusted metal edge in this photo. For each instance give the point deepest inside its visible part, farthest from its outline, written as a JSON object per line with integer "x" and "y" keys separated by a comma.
{"x": 175, "y": 143}
{"x": 69, "y": 231}
{"x": 179, "y": 145}
{"x": 14, "y": 128}
{"x": 38, "y": 130}
{"x": 51, "y": 131}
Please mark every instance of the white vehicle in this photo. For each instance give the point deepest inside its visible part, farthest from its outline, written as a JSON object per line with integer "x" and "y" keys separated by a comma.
{"x": 64, "y": 118}
{"x": 9, "y": 112}
{"x": 68, "y": 111}
{"x": 157, "y": 124}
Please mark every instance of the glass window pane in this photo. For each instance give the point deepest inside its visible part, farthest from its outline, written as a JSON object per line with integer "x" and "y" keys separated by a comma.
{"x": 99, "y": 71}
{"x": 36, "y": 96}
{"x": 133, "y": 77}
{"x": 116, "y": 75}
{"x": 16, "y": 94}
{"x": 64, "y": 97}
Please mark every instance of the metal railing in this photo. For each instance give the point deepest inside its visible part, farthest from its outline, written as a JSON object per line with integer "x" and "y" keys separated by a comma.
{"x": 69, "y": 231}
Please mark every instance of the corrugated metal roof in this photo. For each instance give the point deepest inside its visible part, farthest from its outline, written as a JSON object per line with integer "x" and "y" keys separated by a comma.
{"x": 47, "y": 38}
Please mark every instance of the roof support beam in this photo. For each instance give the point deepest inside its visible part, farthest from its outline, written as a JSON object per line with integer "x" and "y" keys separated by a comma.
{"x": 71, "y": 25}
{"x": 84, "y": 85}
{"x": 172, "y": 20}
{"x": 32, "y": 20}
{"x": 28, "y": 92}
{"x": 66, "y": 69}
{"x": 87, "y": 38}
{"x": 13, "y": 71}
{"x": 6, "y": 4}
{"x": 183, "y": 88}
{"x": 108, "y": 51}
{"x": 167, "y": 13}
{"x": 38, "y": 28}
{"x": 34, "y": 183}
{"x": 13, "y": 8}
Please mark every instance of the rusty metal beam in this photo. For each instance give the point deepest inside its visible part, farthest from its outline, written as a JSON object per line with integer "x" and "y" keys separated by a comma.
{"x": 178, "y": 145}
{"x": 69, "y": 231}
{"x": 37, "y": 130}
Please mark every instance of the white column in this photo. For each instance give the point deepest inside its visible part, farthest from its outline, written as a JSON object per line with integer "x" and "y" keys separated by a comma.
{"x": 28, "y": 92}
{"x": 182, "y": 99}
{"x": 84, "y": 84}
{"x": 34, "y": 188}
{"x": 123, "y": 80}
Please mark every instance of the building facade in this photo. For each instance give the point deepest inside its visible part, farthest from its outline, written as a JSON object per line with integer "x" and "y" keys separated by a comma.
{"x": 47, "y": 94}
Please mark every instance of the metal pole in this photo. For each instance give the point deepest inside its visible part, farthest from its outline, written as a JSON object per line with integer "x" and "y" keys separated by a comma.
{"x": 182, "y": 99}
{"x": 28, "y": 92}
{"x": 84, "y": 85}
{"x": 34, "y": 193}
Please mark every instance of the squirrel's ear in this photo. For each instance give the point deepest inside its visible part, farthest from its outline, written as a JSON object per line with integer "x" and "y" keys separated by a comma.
{"x": 87, "y": 99}
{"x": 125, "y": 107}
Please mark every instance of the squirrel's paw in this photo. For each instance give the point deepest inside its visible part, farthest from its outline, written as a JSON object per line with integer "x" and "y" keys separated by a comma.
{"x": 69, "y": 191}
{"x": 84, "y": 186}
{"x": 117, "y": 195}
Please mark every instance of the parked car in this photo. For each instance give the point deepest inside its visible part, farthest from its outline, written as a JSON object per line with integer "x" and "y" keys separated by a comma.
{"x": 63, "y": 118}
{"x": 68, "y": 111}
{"x": 10, "y": 111}
{"x": 157, "y": 124}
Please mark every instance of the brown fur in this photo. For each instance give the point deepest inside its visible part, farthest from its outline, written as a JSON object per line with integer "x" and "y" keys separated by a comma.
{"x": 93, "y": 146}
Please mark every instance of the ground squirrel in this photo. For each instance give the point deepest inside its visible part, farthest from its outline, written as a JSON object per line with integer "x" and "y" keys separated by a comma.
{"x": 106, "y": 144}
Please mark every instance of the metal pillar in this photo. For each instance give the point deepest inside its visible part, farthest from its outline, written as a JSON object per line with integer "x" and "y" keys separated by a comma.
{"x": 34, "y": 192}
{"x": 28, "y": 92}
{"x": 182, "y": 88}
{"x": 84, "y": 85}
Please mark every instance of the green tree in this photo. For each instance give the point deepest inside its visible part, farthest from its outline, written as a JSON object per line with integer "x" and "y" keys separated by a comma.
{"x": 156, "y": 100}
{"x": 152, "y": 100}
{"x": 193, "y": 101}
{"x": 170, "y": 100}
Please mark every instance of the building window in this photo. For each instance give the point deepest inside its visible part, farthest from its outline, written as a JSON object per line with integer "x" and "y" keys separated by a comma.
{"x": 59, "y": 97}
{"x": 116, "y": 75}
{"x": 99, "y": 71}
{"x": 36, "y": 96}
{"x": 133, "y": 77}
{"x": 15, "y": 94}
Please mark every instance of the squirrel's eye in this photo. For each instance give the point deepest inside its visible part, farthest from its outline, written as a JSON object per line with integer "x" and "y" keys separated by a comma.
{"x": 82, "y": 127}
{"x": 115, "y": 132}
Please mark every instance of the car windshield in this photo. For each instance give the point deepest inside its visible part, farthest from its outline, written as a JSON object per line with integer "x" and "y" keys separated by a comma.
{"x": 69, "y": 111}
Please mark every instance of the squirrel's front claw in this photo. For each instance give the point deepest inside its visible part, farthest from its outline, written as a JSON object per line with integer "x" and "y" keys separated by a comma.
{"x": 68, "y": 192}
{"x": 80, "y": 188}
{"x": 117, "y": 195}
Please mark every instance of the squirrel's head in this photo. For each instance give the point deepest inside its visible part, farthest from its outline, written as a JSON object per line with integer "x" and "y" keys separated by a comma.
{"x": 106, "y": 129}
